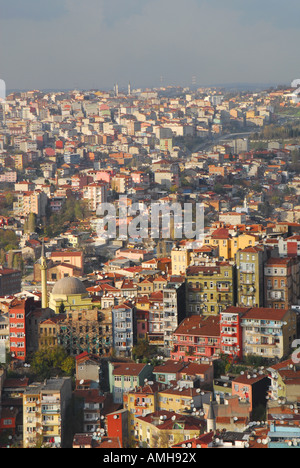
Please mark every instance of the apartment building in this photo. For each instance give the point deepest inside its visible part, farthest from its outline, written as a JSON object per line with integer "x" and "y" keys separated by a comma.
{"x": 231, "y": 334}
{"x": 183, "y": 400}
{"x": 45, "y": 407}
{"x": 250, "y": 280}
{"x": 125, "y": 376}
{"x": 285, "y": 383}
{"x": 123, "y": 329}
{"x": 210, "y": 287}
{"x": 121, "y": 183}
{"x": 268, "y": 332}
{"x": 155, "y": 320}
{"x": 281, "y": 278}
{"x": 10, "y": 281}
{"x": 139, "y": 402}
{"x": 30, "y": 202}
{"x": 181, "y": 258}
{"x": 229, "y": 242}
{"x": 251, "y": 388}
{"x": 18, "y": 312}
{"x": 173, "y": 311}
{"x": 95, "y": 194}
{"x": 163, "y": 429}
{"x": 196, "y": 337}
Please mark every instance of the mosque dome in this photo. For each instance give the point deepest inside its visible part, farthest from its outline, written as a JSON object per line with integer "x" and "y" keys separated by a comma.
{"x": 69, "y": 286}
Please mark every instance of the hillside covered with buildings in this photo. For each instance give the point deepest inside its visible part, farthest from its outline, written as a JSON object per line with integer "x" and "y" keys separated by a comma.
{"x": 113, "y": 335}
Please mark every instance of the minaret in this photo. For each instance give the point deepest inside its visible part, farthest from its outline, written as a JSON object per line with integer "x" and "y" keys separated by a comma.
{"x": 211, "y": 419}
{"x": 44, "y": 278}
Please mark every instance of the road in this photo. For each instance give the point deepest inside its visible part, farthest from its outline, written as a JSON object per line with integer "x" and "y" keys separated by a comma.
{"x": 216, "y": 141}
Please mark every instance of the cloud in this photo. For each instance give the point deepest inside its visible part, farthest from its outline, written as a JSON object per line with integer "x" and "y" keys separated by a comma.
{"x": 36, "y": 10}
{"x": 117, "y": 10}
{"x": 97, "y": 43}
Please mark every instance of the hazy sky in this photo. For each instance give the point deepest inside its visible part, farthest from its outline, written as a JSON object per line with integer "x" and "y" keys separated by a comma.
{"x": 95, "y": 43}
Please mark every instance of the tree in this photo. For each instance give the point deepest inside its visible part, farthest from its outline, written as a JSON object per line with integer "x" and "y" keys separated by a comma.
{"x": 143, "y": 350}
{"x": 48, "y": 361}
{"x": 68, "y": 366}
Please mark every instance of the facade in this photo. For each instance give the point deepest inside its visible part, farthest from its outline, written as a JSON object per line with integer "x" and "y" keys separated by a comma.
{"x": 49, "y": 332}
{"x": 18, "y": 311}
{"x": 155, "y": 320}
{"x": 181, "y": 258}
{"x": 123, "y": 329}
{"x": 88, "y": 367}
{"x": 90, "y": 403}
{"x": 231, "y": 332}
{"x": 31, "y": 202}
{"x": 268, "y": 332}
{"x": 140, "y": 402}
{"x": 10, "y": 281}
{"x": 163, "y": 429}
{"x": 229, "y": 243}
{"x": 81, "y": 331}
{"x": 174, "y": 311}
{"x": 45, "y": 407}
{"x": 251, "y": 388}
{"x": 285, "y": 382}
{"x": 250, "y": 280}
{"x": 124, "y": 377}
{"x": 169, "y": 371}
{"x": 117, "y": 427}
{"x": 183, "y": 400}
{"x": 210, "y": 288}
{"x": 196, "y": 337}
{"x": 96, "y": 194}
{"x": 281, "y": 282}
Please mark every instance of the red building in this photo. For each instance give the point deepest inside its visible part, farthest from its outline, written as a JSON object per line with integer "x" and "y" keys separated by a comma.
{"x": 196, "y": 337}
{"x": 8, "y": 418}
{"x": 18, "y": 310}
{"x": 231, "y": 332}
{"x": 117, "y": 426}
{"x": 10, "y": 281}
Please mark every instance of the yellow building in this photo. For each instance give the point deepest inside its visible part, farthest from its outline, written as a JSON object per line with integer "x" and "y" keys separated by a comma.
{"x": 71, "y": 292}
{"x": 250, "y": 279}
{"x": 268, "y": 332}
{"x": 140, "y": 402}
{"x": 163, "y": 429}
{"x": 182, "y": 399}
{"x": 210, "y": 287}
{"x": 181, "y": 258}
{"x": 45, "y": 406}
{"x": 228, "y": 243}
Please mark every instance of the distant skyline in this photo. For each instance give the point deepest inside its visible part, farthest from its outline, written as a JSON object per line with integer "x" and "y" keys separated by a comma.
{"x": 68, "y": 44}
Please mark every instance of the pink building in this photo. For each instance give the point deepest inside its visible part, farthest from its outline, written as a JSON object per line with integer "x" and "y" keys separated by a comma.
{"x": 103, "y": 176}
{"x": 196, "y": 337}
{"x": 140, "y": 178}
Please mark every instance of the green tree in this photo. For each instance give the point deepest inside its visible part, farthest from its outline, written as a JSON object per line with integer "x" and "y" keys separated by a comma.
{"x": 51, "y": 361}
{"x": 143, "y": 350}
{"x": 68, "y": 366}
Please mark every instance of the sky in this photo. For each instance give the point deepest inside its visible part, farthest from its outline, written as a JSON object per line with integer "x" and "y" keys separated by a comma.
{"x": 68, "y": 44}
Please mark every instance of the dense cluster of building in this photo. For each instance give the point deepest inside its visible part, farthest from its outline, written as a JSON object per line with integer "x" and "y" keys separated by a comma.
{"x": 188, "y": 305}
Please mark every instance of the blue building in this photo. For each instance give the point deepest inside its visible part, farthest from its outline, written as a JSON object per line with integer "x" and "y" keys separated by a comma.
{"x": 283, "y": 436}
{"x": 72, "y": 158}
{"x": 123, "y": 329}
